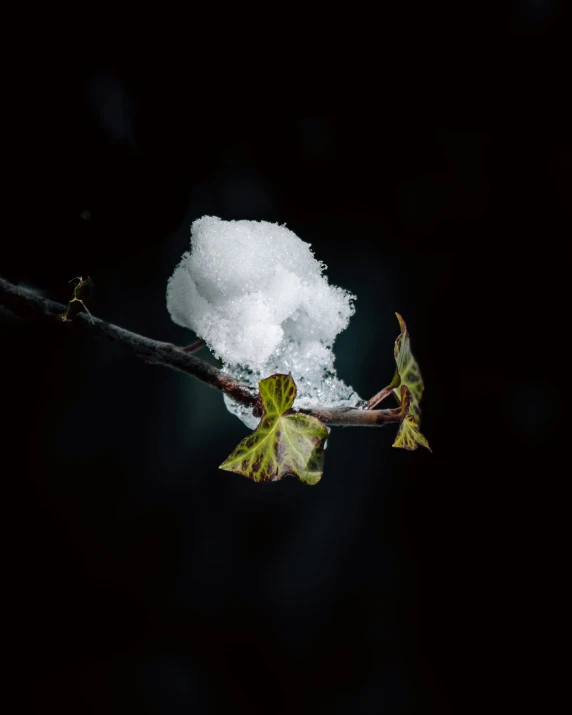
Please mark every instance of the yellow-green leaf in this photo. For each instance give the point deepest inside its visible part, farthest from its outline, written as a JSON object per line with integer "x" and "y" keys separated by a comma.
{"x": 407, "y": 372}
{"x": 284, "y": 442}
{"x": 408, "y": 436}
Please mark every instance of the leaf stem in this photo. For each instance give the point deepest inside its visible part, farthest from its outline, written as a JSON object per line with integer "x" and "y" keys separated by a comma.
{"x": 376, "y": 399}
{"x": 193, "y": 347}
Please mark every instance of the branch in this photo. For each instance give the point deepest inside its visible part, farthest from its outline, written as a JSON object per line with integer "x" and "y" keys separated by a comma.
{"x": 353, "y": 417}
{"x": 26, "y": 304}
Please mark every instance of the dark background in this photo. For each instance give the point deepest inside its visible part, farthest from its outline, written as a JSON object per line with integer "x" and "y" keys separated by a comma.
{"x": 143, "y": 579}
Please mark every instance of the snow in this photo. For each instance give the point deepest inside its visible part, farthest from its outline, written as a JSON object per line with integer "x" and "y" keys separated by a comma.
{"x": 257, "y": 296}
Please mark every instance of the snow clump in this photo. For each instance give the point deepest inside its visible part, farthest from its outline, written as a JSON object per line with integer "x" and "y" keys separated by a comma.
{"x": 257, "y": 296}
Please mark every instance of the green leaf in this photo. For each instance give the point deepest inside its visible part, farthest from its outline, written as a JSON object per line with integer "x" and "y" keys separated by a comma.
{"x": 408, "y": 436}
{"x": 284, "y": 442}
{"x": 407, "y": 372}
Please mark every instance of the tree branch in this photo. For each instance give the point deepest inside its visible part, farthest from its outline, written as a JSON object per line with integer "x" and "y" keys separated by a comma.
{"x": 26, "y": 304}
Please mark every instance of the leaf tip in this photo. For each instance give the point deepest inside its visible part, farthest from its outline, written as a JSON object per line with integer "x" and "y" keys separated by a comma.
{"x": 402, "y": 323}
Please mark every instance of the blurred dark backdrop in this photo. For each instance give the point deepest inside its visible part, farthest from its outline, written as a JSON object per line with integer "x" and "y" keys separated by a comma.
{"x": 143, "y": 578}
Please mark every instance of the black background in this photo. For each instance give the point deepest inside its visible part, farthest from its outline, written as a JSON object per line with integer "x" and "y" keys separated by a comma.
{"x": 146, "y": 580}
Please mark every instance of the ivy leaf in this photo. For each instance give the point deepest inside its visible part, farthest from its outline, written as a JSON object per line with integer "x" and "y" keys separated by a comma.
{"x": 407, "y": 372}
{"x": 408, "y": 388}
{"x": 408, "y": 436}
{"x": 284, "y": 442}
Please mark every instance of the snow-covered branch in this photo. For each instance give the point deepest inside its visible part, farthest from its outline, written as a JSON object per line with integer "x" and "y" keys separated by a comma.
{"x": 25, "y": 304}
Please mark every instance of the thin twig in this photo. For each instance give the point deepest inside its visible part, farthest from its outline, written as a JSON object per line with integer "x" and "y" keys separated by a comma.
{"x": 26, "y": 304}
